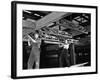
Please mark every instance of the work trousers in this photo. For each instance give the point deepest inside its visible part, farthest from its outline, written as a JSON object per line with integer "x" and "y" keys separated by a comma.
{"x": 64, "y": 59}
{"x": 34, "y": 58}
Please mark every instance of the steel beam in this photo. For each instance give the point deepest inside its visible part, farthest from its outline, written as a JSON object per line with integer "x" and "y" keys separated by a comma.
{"x": 52, "y": 17}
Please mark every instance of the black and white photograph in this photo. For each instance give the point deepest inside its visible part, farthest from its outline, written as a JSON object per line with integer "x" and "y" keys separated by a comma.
{"x": 53, "y": 39}
{"x": 64, "y": 42}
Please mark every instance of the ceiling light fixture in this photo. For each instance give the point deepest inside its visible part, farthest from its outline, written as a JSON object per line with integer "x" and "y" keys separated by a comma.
{"x": 27, "y": 11}
{"x": 36, "y": 14}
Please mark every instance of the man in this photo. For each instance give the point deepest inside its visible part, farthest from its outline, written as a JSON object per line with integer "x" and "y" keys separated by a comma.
{"x": 34, "y": 58}
{"x": 64, "y": 60}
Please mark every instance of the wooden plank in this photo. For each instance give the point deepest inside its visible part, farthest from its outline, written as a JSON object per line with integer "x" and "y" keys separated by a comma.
{"x": 79, "y": 65}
